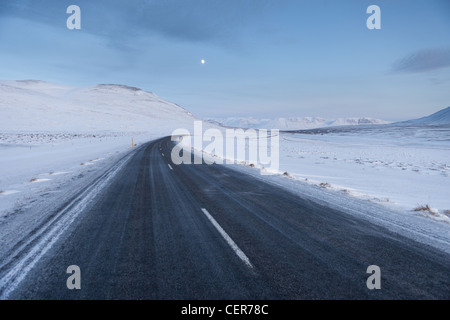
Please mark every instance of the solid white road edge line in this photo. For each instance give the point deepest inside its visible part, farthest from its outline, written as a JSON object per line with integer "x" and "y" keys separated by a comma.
{"x": 227, "y": 238}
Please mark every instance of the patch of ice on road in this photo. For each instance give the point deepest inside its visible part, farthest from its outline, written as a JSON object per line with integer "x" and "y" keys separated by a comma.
{"x": 34, "y": 180}
{"x": 58, "y": 173}
{"x": 8, "y": 192}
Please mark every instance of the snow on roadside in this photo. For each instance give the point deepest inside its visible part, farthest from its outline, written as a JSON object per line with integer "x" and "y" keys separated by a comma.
{"x": 404, "y": 173}
{"x": 30, "y": 171}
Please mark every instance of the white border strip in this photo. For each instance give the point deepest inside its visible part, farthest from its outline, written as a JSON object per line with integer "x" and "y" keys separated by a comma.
{"x": 230, "y": 241}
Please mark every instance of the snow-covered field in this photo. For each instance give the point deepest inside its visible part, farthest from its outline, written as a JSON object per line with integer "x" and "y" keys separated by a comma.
{"x": 405, "y": 167}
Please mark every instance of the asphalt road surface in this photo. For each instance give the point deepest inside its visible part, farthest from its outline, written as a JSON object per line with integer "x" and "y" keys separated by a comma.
{"x": 162, "y": 231}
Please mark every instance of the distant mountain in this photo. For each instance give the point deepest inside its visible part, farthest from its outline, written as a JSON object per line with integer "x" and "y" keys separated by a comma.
{"x": 32, "y": 105}
{"x": 441, "y": 117}
{"x": 295, "y": 123}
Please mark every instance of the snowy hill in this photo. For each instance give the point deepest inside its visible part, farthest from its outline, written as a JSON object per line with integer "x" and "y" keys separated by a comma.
{"x": 41, "y": 106}
{"x": 295, "y": 123}
{"x": 441, "y": 117}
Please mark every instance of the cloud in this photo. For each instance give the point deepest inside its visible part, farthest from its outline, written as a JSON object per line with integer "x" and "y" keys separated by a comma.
{"x": 423, "y": 61}
{"x": 186, "y": 20}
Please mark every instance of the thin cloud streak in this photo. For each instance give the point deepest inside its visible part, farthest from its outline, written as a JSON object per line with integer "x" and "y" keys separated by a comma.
{"x": 423, "y": 61}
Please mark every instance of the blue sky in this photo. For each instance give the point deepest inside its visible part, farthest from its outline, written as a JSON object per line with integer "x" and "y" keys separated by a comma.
{"x": 264, "y": 58}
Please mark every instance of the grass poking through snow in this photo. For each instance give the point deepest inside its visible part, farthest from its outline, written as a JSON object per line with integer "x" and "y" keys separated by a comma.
{"x": 425, "y": 208}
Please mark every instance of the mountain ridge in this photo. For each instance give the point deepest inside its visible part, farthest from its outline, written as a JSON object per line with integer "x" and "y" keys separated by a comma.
{"x": 295, "y": 123}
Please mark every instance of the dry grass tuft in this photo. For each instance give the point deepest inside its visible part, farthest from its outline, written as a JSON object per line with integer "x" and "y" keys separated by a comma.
{"x": 424, "y": 208}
